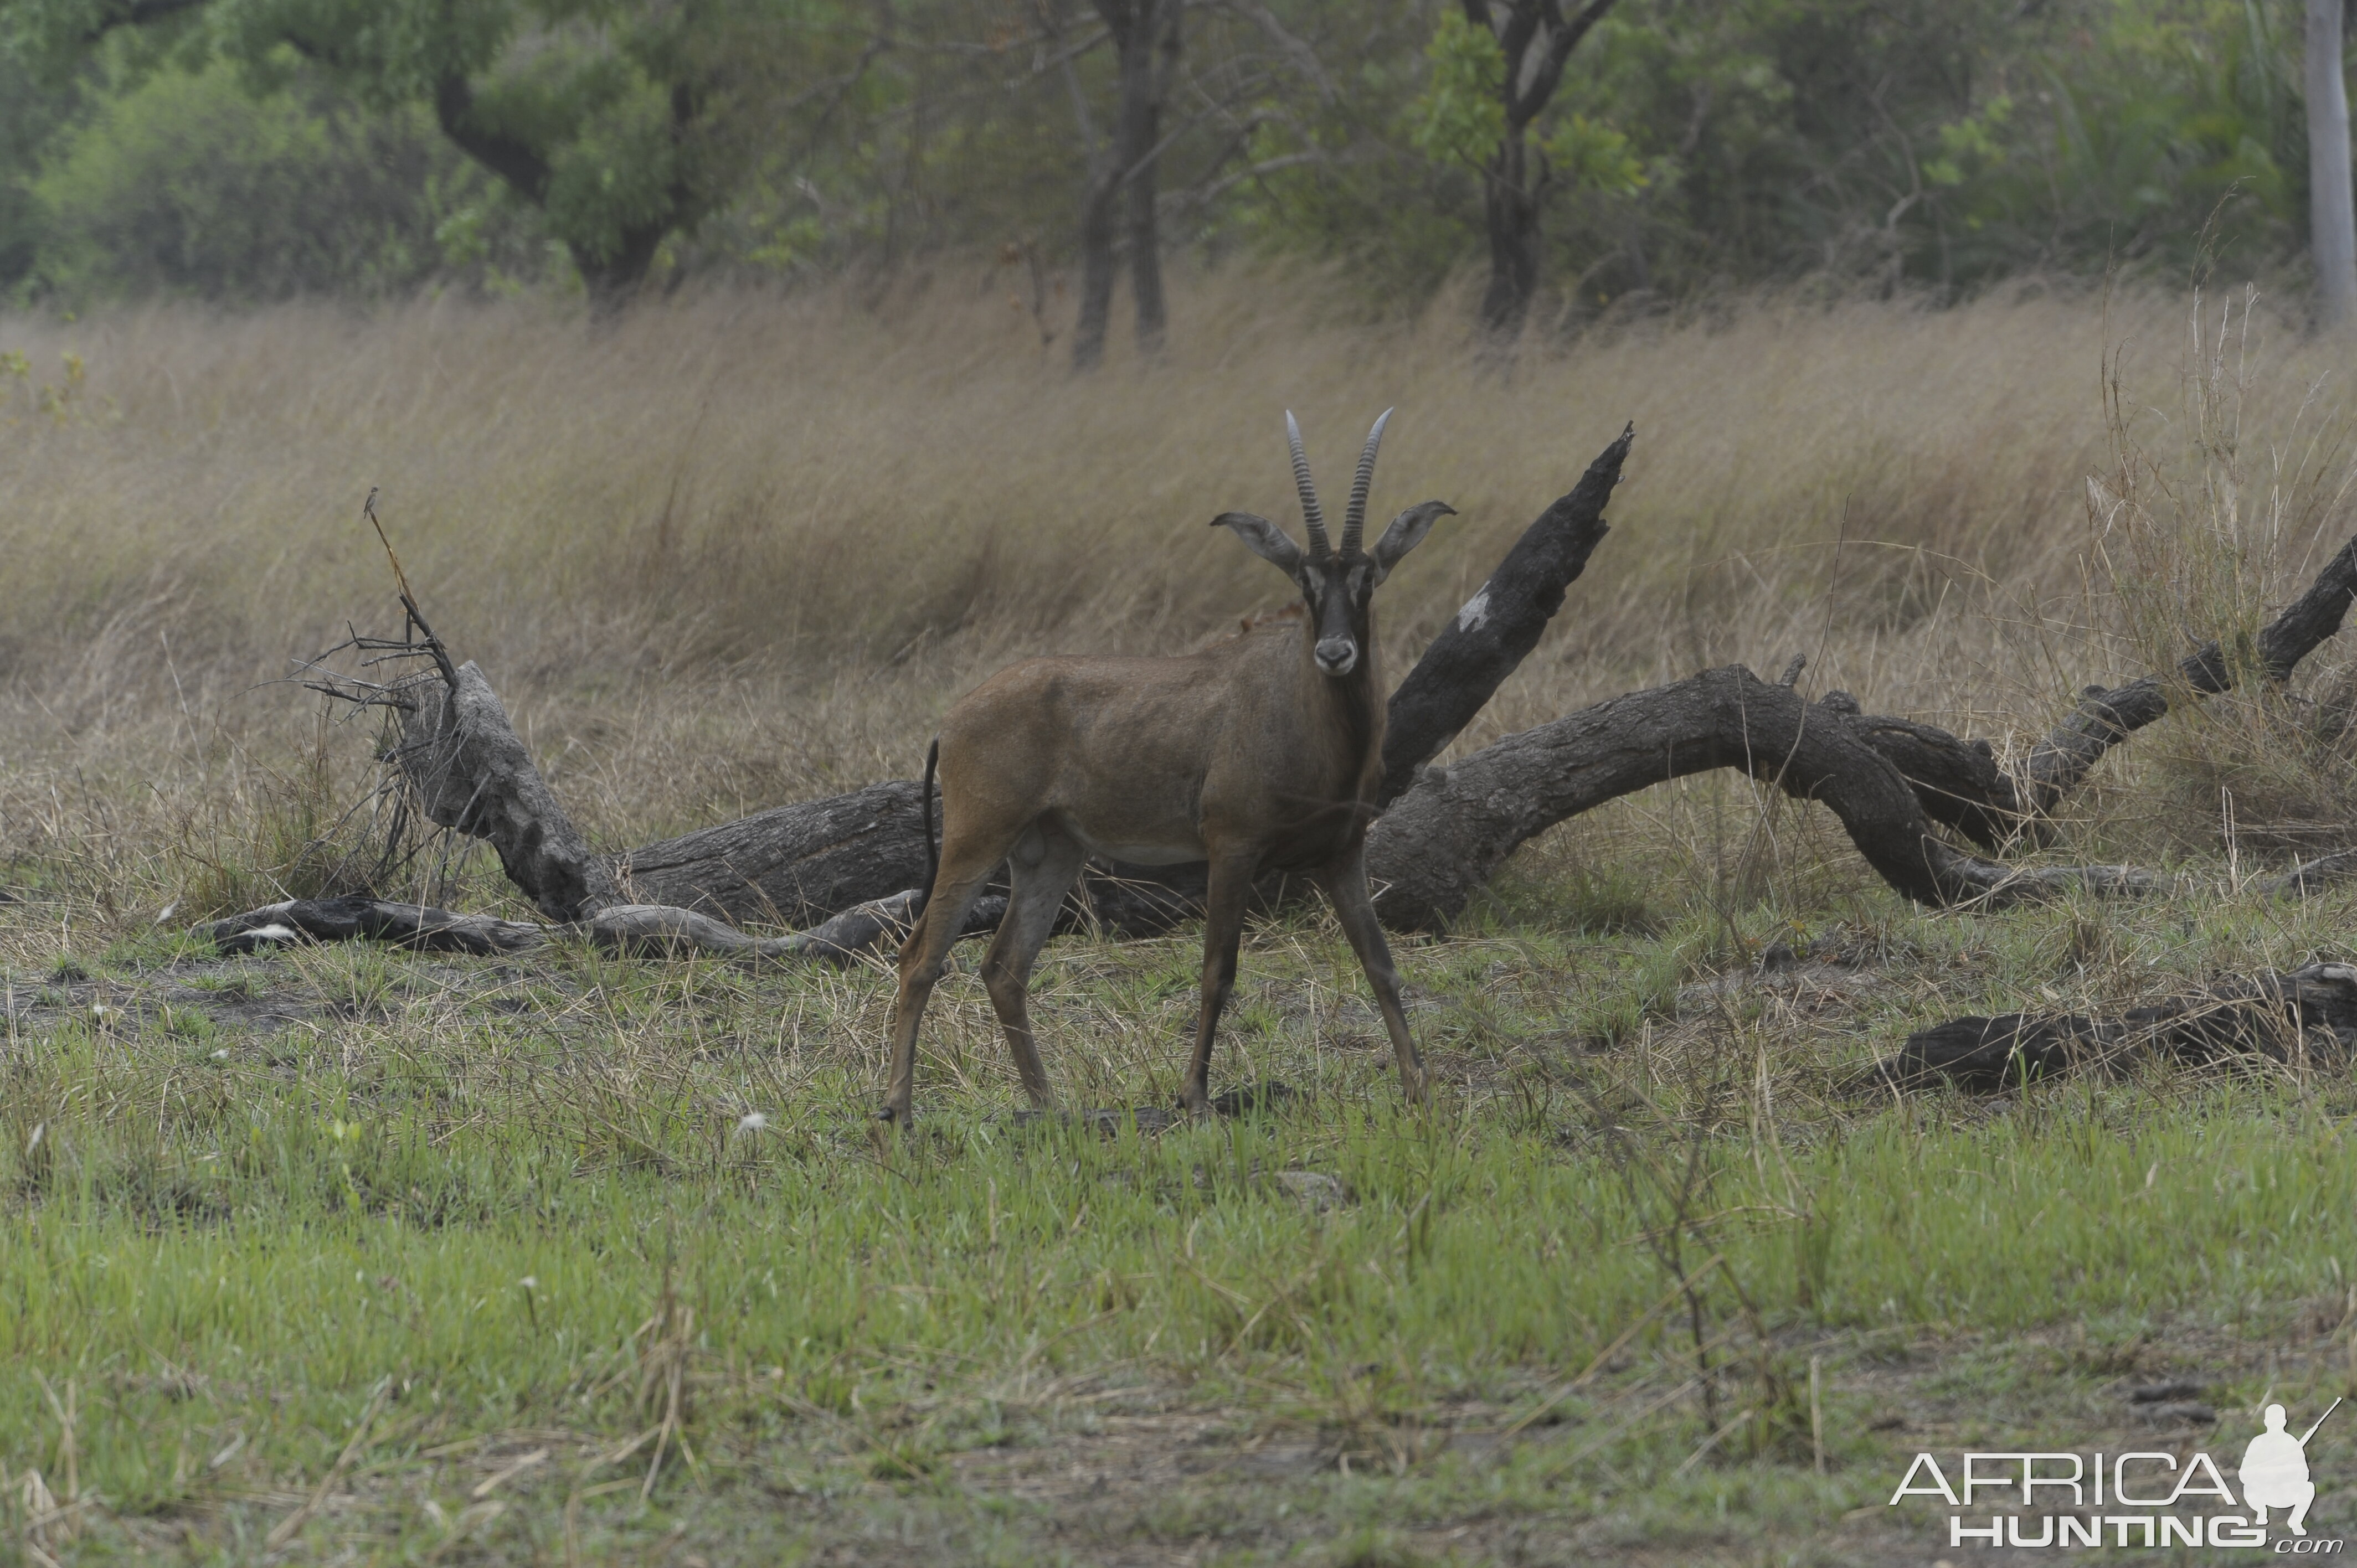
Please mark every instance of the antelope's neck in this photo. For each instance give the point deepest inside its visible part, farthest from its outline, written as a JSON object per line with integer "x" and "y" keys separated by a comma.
{"x": 1350, "y": 709}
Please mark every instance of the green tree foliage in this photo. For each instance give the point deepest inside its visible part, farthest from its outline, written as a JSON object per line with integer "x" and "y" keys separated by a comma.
{"x": 1901, "y": 143}
{"x": 21, "y": 135}
{"x": 189, "y": 183}
{"x": 1458, "y": 115}
{"x": 1934, "y": 144}
{"x": 623, "y": 123}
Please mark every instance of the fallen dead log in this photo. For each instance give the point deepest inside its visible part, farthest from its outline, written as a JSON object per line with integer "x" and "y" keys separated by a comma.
{"x": 1432, "y": 867}
{"x": 790, "y": 865}
{"x": 810, "y": 862}
{"x": 1445, "y": 837}
{"x": 1886, "y": 778}
{"x": 802, "y": 863}
{"x": 2267, "y": 1016}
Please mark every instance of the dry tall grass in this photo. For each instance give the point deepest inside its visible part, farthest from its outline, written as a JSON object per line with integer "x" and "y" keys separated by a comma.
{"x": 744, "y": 548}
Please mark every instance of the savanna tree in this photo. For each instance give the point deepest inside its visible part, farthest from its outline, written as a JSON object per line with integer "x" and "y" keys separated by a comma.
{"x": 1495, "y": 70}
{"x": 2332, "y": 227}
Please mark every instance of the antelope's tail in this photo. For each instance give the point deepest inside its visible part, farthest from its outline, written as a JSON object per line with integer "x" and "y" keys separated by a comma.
{"x": 925, "y": 803}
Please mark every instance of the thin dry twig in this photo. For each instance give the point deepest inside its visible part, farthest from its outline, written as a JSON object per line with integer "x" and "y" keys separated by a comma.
{"x": 286, "y": 1528}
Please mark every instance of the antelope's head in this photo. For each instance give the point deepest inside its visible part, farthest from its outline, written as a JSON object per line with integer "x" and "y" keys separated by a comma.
{"x": 1339, "y": 586}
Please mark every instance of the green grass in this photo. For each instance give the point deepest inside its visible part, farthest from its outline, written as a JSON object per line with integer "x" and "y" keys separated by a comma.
{"x": 520, "y": 1209}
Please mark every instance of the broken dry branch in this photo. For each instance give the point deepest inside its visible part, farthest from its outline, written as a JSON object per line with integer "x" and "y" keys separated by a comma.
{"x": 2060, "y": 763}
{"x": 473, "y": 775}
{"x": 1961, "y": 784}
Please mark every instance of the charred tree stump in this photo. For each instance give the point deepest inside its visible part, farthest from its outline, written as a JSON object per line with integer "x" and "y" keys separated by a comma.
{"x": 1499, "y": 626}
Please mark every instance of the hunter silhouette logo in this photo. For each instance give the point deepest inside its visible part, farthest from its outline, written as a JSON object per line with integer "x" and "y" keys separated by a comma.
{"x": 2143, "y": 1497}
{"x": 2275, "y": 1471}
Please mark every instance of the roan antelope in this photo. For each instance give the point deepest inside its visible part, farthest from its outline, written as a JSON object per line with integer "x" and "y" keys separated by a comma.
{"x": 1262, "y": 752}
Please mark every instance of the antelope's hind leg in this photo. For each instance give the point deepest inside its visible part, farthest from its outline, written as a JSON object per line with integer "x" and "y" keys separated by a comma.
{"x": 955, "y": 886}
{"x": 1042, "y": 867}
{"x": 1345, "y": 883}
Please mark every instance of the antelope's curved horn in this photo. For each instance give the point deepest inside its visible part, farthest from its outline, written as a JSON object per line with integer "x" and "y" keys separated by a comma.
{"x": 1313, "y": 516}
{"x": 1354, "y": 522}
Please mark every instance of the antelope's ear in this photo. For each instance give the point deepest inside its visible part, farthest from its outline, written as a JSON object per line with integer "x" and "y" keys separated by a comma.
{"x": 1263, "y": 539}
{"x": 1406, "y": 532}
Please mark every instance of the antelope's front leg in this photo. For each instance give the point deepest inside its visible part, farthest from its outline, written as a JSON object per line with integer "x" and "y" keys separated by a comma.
{"x": 1345, "y": 882}
{"x": 1223, "y": 928}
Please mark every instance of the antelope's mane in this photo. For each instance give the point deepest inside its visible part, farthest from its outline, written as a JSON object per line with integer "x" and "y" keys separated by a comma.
{"x": 1246, "y": 625}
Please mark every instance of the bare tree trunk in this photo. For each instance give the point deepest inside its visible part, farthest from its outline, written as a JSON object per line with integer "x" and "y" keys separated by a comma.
{"x": 1124, "y": 171}
{"x": 854, "y": 861}
{"x": 1096, "y": 265}
{"x": 1510, "y": 207}
{"x": 2332, "y": 227}
{"x": 1155, "y": 33}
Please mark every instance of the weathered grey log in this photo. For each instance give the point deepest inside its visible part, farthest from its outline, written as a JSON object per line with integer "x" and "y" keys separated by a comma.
{"x": 1440, "y": 841}
{"x": 2265, "y": 1017}
{"x": 796, "y": 865}
{"x": 792, "y": 864}
{"x": 473, "y": 775}
{"x": 1448, "y": 835}
{"x": 1499, "y": 626}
